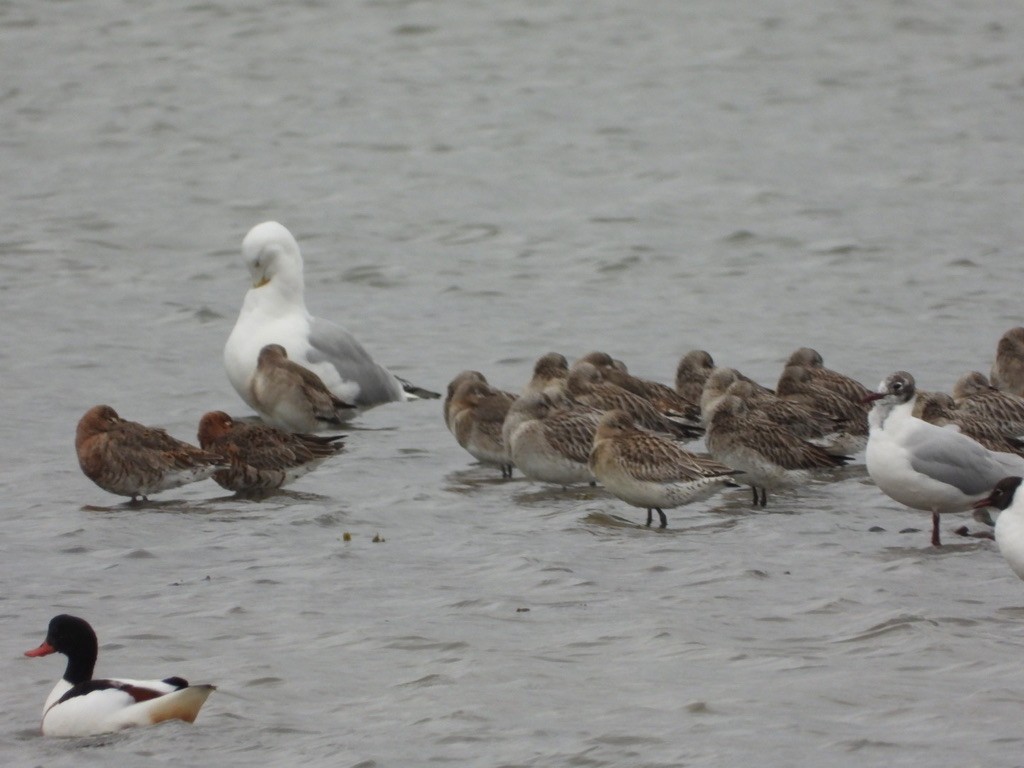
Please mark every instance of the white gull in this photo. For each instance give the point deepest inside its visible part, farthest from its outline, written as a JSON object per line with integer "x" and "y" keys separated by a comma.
{"x": 1010, "y": 523}
{"x": 274, "y": 312}
{"x": 924, "y": 466}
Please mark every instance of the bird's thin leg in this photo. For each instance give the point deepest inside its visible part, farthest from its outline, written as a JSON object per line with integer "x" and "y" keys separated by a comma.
{"x": 664, "y": 520}
{"x": 649, "y": 516}
{"x": 935, "y": 530}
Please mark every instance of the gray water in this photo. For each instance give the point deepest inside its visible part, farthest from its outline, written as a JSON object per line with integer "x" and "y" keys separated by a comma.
{"x": 473, "y": 185}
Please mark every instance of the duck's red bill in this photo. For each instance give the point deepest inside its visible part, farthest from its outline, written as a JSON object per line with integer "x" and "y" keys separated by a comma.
{"x": 43, "y": 650}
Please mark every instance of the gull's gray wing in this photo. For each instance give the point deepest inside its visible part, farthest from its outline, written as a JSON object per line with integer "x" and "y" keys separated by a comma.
{"x": 951, "y": 457}
{"x": 332, "y": 344}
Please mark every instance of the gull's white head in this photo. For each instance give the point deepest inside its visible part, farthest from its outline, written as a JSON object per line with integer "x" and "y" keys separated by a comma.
{"x": 272, "y": 255}
{"x": 896, "y": 389}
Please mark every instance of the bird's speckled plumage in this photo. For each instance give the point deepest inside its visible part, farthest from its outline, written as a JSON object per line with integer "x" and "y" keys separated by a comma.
{"x": 1007, "y": 371}
{"x": 549, "y": 374}
{"x": 844, "y": 385}
{"x": 129, "y": 459}
{"x": 974, "y": 394}
{"x": 550, "y": 441}
{"x": 649, "y": 471}
{"x": 797, "y": 384}
{"x": 477, "y": 414}
{"x": 692, "y": 371}
{"x": 262, "y": 457}
{"x": 586, "y": 386}
{"x": 663, "y": 397}
{"x": 940, "y": 409}
{"x": 292, "y": 397}
{"x": 769, "y": 455}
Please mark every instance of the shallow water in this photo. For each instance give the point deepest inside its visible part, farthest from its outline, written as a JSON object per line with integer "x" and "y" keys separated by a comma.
{"x": 474, "y": 186}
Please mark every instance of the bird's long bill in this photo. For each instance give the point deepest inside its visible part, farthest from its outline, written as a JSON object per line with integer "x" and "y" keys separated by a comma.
{"x": 43, "y": 650}
{"x": 986, "y": 502}
{"x": 870, "y": 398}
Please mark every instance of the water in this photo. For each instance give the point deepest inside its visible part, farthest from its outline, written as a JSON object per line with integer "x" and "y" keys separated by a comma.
{"x": 474, "y": 185}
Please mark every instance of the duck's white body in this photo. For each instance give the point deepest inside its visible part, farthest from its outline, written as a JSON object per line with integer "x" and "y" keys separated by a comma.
{"x": 111, "y": 709}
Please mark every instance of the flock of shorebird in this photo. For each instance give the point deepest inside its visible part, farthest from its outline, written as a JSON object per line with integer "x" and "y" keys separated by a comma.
{"x": 592, "y": 422}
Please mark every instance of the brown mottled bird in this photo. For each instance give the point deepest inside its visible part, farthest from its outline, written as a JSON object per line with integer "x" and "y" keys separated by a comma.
{"x": 460, "y": 377}
{"x": 769, "y": 455}
{"x": 661, "y": 396}
{"x": 550, "y": 440}
{"x": 846, "y": 386}
{"x": 1008, "y": 368}
{"x": 130, "y": 459}
{"x": 797, "y": 384}
{"x": 262, "y": 457}
{"x": 476, "y": 416}
{"x": 649, "y": 471}
{"x": 691, "y": 373}
{"x": 292, "y": 397}
{"x": 446, "y": 407}
{"x": 549, "y": 374}
{"x": 588, "y": 387}
{"x": 974, "y": 394}
{"x": 940, "y": 409}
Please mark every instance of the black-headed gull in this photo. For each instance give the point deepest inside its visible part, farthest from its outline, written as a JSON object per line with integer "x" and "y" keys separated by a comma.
{"x": 924, "y": 466}
{"x": 1010, "y": 523}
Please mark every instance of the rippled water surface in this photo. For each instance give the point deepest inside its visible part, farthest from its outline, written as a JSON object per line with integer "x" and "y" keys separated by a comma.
{"x": 473, "y": 185}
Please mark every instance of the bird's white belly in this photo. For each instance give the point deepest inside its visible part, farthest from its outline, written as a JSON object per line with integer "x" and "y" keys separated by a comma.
{"x": 1010, "y": 538}
{"x": 889, "y": 467}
